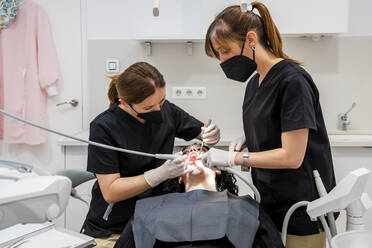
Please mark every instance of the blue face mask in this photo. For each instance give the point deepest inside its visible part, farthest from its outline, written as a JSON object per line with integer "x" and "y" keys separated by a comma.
{"x": 239, "y": 67}
{"x": 8, "y": 11}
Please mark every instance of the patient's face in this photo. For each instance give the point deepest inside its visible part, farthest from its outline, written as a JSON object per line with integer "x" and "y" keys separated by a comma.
{"x": 194, "y": 161}
{"x": 199, "y": 171}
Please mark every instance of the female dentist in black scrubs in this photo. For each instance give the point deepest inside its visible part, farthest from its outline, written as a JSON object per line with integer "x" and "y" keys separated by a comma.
{"x": 283, "y": 122}
{"x": 141, "y": 119}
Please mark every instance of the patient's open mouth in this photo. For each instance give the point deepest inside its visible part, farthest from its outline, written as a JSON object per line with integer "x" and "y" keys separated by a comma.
{"x": 194, "y": 161}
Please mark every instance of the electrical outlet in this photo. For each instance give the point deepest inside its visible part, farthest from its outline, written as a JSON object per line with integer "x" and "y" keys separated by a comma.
{"x": 189, "y": 92}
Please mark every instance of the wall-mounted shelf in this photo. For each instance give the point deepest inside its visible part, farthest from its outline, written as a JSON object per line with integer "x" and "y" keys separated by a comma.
{"x": 187, "y": 40}
{"x": 172, "y": 39}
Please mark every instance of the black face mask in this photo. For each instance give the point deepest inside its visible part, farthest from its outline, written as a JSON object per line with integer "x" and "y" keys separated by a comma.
{"x": 151, "y": 117}
{"x": 239, "y": 67}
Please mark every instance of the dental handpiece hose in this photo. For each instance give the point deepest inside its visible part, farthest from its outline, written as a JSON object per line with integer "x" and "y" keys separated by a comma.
{"x": 290, "y": 211}
{"x": 158, "y": 156}
{"x": 110, "y": 206}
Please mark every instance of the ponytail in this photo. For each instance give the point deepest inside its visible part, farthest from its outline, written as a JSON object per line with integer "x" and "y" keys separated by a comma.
{"x": 112, "y": 91}
{"x": 273, "y": 37}
{"x": 232, "y": 25}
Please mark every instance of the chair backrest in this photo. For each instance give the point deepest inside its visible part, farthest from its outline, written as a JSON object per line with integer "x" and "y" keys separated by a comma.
{"x": 77, "y": 177}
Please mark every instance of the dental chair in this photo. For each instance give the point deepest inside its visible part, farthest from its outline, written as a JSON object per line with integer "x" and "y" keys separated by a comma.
{"x": 77, "y": 177}
{"x": 23, "y": 170}
{"x": 33, "y": 199}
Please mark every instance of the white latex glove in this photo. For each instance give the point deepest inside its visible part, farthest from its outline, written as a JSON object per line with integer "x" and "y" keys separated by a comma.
{"x": 170, "y": 169}
{"x": 238, "y": 144}
{"x": 211, "y": 134}
{"x": 216, "y": 158}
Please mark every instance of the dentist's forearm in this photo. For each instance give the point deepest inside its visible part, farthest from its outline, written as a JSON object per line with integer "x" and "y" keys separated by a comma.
{"x": 289, "y": 156}
{"x": 272, "y": 159}
{"x": 115, "y": 188}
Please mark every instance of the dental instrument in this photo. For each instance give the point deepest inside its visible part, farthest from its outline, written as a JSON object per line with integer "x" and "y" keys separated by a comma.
{"x": 322, "y": 192}
{"x": 110, "y": 206}
{"x": 202, "y": 144}
{"x": 157, "y": 155}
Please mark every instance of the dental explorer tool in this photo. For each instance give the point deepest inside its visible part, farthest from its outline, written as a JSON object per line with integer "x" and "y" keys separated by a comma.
{"x": 157, "y": 155}
{"x": 202, "y": 144}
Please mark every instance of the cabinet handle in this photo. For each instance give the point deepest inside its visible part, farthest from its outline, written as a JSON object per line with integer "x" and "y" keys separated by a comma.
{"x": 73, "y": 103}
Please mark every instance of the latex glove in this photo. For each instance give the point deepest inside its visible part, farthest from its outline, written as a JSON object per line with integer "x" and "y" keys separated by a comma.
{"x": 211, "y": 134}
{"x": 238, "y": 144}
{"x": 170, "y": 169}
{"x": 216, "y": 158}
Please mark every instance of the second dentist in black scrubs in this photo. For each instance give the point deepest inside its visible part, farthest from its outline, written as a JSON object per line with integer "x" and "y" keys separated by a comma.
{"x": 283, "y": 122}
{"x": 141, "y": 119}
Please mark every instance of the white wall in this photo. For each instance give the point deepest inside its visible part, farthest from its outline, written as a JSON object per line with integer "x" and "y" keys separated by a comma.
{"x": 178, "y": 69}
{"x": 340, "y": 66}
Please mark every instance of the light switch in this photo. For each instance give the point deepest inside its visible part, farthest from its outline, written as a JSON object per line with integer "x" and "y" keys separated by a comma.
{"x": 112, "y": 65}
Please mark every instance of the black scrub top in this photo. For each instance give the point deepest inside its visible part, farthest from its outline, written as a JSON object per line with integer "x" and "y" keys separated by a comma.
{"x": 117, "y": 128}
{"x": 287, "y": 100}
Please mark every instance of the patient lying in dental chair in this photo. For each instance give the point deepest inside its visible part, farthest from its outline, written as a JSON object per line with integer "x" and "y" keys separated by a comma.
{"x": 202, "y": 209}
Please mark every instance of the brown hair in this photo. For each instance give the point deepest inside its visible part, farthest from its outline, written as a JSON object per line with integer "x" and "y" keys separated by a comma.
{"x": 135, "y": 84}
{"x": 232, "y": 25}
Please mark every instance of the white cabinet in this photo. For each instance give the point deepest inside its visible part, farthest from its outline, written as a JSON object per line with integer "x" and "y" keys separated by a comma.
{"x": 134, "y": 19}
{"x": 310, "y": 17}
{"x": 189, "y": 19}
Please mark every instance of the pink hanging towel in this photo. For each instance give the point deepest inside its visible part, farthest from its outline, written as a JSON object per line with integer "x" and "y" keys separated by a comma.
{"x": 29, "y": 66}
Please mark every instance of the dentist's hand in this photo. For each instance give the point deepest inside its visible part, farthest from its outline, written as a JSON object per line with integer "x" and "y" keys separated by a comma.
{"x": 210, "y": 134}
{"x": 170, "y": 169}
{"x": 238, "y": 144}
{"x": 216, "y": 158}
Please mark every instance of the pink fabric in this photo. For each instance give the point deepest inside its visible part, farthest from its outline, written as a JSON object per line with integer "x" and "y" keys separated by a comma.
{"x": 29, "y": 65}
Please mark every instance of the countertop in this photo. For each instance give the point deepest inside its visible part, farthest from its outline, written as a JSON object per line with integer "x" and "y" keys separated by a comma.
{"x": 353, "y": 138}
